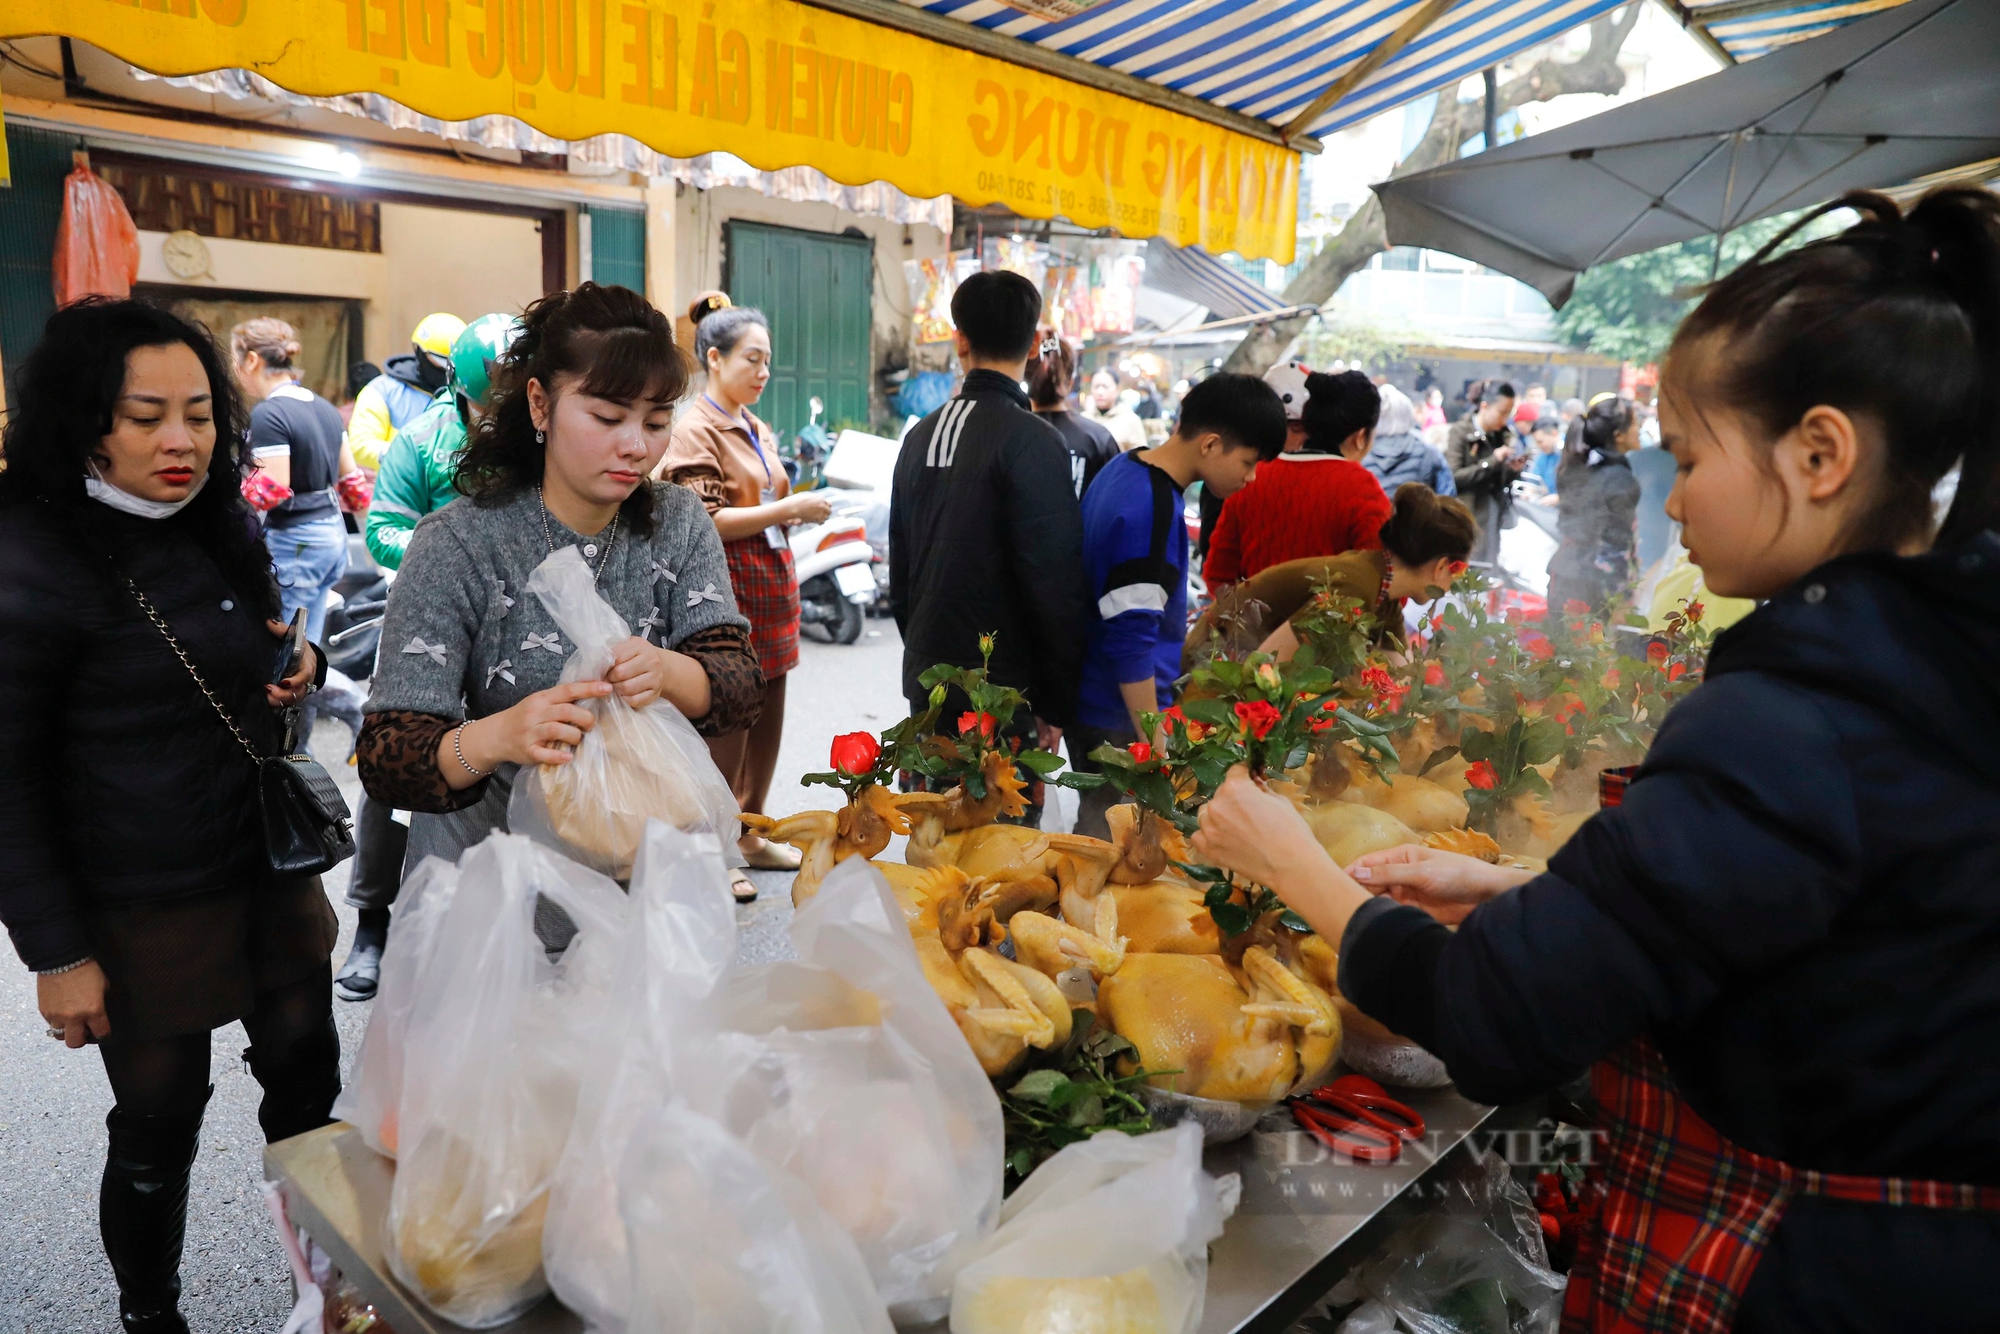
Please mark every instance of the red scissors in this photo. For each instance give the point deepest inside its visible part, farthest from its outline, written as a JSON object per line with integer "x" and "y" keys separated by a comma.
{"x": 1354, "y": 1116}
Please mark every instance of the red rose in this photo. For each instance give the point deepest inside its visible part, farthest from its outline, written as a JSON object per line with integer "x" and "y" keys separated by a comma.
{"x": 1140, "y": 751}
{"x": 1258, "y": 718}
{"x": 855, "y": 753}
{"x": 1537, "y": 644}
{"x": 1576, "y": 607}
{"x": 976, "y": 722}
{"x": 1694, "y": 612}
{"x": 1434, "y": 674}
{"x": 1611, "y": 679}
{"x": 1482, "y": 776}
{"x": 1173, "y": 717}
{"x": 1656, "y": 653}
{"x": 1677, "y": 671}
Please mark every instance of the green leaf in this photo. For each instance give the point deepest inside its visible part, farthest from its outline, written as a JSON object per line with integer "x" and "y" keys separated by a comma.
{"x": 1077, "y": 782}
{"x": 1041, "y": 762}
{"x": 1296, "y": 756}
{"x": 942, "y": 674}
{"x": 1038, "y": 1085}
{"x": 1542, "y": 741}
{"x": 975, "y": 785}
{"x": 1065, "y": 1094}
{"x": 1112, "y": 756}
{"x": 1089, "y": 1111}
{"x": 1475, "y": 745}
{"x": 1233, "y": 920}
{"x": 1294, "y": 921}
{"x": 1214, "y": 712}
{"x": 1304, "y": 659}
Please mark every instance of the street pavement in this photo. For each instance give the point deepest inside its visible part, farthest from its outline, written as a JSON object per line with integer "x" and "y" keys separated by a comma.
{"x": 53, "y": 1275}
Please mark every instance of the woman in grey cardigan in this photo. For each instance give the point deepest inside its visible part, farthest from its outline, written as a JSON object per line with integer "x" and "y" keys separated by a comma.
{"x": 466, "y": 690}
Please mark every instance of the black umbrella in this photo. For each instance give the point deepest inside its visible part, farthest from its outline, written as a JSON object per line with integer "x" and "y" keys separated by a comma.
{"x": 1902, "y": 94}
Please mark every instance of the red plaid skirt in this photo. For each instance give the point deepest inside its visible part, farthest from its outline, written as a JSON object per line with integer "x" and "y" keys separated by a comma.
{"x": 767, "y": 591}
{"x": 1688, "y": 1213}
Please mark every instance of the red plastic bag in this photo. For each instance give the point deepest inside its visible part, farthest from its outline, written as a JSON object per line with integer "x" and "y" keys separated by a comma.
{"x": 97, "y": 247}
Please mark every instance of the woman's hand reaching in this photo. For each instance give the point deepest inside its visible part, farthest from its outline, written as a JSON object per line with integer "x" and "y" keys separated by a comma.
{"x": 1447, "y": 885}
{"x": 638, "y": 672}
{"x": 1251, "y": 830}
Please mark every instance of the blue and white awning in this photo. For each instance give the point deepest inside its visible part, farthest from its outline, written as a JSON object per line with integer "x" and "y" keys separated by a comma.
{"x": 1271, "y": 59}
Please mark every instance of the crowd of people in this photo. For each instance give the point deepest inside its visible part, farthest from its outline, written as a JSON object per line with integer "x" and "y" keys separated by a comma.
{"x": 1791, "y": 910}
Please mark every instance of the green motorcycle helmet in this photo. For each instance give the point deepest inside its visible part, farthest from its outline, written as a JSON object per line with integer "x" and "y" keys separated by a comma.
{"x": 473, "y": 353}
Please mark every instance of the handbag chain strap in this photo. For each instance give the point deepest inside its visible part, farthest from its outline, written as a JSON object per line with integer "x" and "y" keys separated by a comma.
{"x": 187, "y": 662}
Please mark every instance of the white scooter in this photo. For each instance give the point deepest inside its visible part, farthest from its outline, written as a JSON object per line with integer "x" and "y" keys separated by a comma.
{"x": 836, "y": 583}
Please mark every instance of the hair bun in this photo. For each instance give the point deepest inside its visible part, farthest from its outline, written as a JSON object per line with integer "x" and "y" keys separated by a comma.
{"x": 706, "y": 305}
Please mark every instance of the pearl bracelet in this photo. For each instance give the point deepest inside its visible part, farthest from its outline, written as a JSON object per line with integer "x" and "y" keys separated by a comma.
{"x": 459, "y": 751}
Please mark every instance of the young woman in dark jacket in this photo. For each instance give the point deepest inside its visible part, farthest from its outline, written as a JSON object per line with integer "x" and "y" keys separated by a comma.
{"x": 1598, "y": 517}
{"x": 1780, "y": 956}
{"x": 133, "y": 873}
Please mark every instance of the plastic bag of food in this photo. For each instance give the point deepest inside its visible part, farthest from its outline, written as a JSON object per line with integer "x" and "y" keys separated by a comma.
{"x": 681, "y": 940}
{"x": 635, "y": 765}
{"x": 370, "y": 1100}
{"x": 495, "y": 1057}
{"x": 847, "y": 1071}
{"x": 724, "y": 1241}
{"x": 1110, "y": 1235}
{"x": 97, "y": 246}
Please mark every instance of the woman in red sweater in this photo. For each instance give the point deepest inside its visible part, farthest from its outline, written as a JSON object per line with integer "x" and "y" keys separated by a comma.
{"x": 1317, "y": 502}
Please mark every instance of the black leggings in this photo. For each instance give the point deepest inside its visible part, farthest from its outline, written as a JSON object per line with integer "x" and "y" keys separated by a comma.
{"x": 294, "y": 1053}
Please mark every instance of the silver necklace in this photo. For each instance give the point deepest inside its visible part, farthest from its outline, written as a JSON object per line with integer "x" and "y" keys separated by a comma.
{"x": 589, "y": 547}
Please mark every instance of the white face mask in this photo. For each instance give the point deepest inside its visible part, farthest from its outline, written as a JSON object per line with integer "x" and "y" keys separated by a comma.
{"x": 126, "y": 503}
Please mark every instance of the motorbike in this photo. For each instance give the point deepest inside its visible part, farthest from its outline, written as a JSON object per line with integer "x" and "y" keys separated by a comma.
{"x": 834, "y": 561}
{"x": 354, "y": 610}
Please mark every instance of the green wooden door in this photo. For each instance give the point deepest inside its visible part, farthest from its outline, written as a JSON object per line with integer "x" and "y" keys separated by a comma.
{"x": 618, "y": 248}
{"x": 815, "y": 290}
{"x": 29, "y": 212}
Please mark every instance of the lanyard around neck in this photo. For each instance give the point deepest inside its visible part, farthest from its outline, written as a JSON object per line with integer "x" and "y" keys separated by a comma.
{"x": 755, "y": 442}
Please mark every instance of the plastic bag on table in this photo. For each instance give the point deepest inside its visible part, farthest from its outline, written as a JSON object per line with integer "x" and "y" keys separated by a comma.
{"x": 1109, "y": 1235}
{"x": 1475, "y": 1265}
{"x": 847, "y": 1071}
{"x": 369, "y": 1101}
{"x": 635, "y": 765}
{"x": 97, "y": 245}
{"x": 681, "y": 939}
{"x": 726, "y": 1242}
{"x": 498, "y": 1037}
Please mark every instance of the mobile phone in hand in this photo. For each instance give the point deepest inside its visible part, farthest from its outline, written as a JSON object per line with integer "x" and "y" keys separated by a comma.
{"x": 292, "y": 650}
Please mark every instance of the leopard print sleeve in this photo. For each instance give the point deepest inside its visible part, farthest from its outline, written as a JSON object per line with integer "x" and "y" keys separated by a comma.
{"x": 704, "y": 479}
{"x": 397, "y": 756}
{"x": 735, "y": 682}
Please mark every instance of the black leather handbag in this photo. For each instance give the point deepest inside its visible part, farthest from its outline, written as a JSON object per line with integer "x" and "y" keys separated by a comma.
{"x": 308, "y": 829}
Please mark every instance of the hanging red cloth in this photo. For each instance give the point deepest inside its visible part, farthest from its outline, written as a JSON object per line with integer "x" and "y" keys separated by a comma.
{"x": 97, "y": 247}
{"x": 1689, "y": 1214}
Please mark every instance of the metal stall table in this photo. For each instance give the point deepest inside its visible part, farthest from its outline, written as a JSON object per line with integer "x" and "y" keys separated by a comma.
{"x": 1301, "y": 1223}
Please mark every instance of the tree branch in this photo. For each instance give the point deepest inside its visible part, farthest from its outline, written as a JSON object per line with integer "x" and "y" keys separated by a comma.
{"x": 1365, "y": 235}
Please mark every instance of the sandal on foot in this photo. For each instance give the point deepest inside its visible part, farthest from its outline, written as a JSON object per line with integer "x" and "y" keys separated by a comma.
{"x": 741, "y": 887}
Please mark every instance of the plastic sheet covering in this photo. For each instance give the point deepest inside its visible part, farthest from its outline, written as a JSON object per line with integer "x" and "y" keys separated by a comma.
{"x": 499, "y": 1032}
{"x": 375, "y": 1089}
{"x": 1110, "y": 1235}
{"x": 97, "y": 247}
{"x": 635, "y": 765}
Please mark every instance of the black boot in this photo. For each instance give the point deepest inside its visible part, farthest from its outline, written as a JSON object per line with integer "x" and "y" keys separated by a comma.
{"x": 142, "y": 1213}
{"x": 362, "y": 972}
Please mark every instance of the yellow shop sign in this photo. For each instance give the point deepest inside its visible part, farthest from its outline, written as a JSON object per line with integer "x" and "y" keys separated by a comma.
{"x": 777, "y": 83}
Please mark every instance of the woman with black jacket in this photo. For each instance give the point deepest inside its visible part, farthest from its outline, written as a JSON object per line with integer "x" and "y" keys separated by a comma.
{"x": 1780, "y": 956}
{"x": 133, "y": 873}
{"x": 1597, "y": 521}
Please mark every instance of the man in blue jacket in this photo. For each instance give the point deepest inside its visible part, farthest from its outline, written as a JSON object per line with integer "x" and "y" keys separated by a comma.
{"x": 1135, "y": 552}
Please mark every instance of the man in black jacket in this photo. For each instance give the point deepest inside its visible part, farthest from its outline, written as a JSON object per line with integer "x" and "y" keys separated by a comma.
{"x": 984, "y": 530}
{"x": 1485, "y": 459}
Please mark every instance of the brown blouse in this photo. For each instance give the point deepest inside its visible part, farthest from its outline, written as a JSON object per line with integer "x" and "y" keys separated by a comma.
{"x": 715, "y": 456}
{"x": 398, "y": 748}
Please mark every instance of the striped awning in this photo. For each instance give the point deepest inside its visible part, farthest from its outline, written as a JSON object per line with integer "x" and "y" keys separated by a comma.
{"x": 1276, "y": 60}
{"x": 1191, "y": 273}
{"x": 1746, "y": 29}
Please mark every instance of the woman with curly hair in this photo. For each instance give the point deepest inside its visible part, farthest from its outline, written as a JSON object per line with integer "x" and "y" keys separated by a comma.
{"x": 134, "y": 875}
{"x": 466, "y": 689}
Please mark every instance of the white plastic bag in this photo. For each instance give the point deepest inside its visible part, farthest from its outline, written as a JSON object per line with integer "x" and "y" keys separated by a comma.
{"x": 495, "y": 1055}
{"x": 1110, "y": 1235}
{"x": 370, "y": 1099}
{"x": 727, "y": 1244}
{"x": 681, "y": 939}
{"x": 635, "y": 765}
{"x": 846, "y": 1071}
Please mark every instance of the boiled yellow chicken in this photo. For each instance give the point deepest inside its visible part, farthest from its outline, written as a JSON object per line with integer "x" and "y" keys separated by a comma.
{"x": 1229, "y": 1033}
{"x": 1165, "y": 917}
{"x": 862, "y": 828}
{"x": 1002, "y": 1007}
